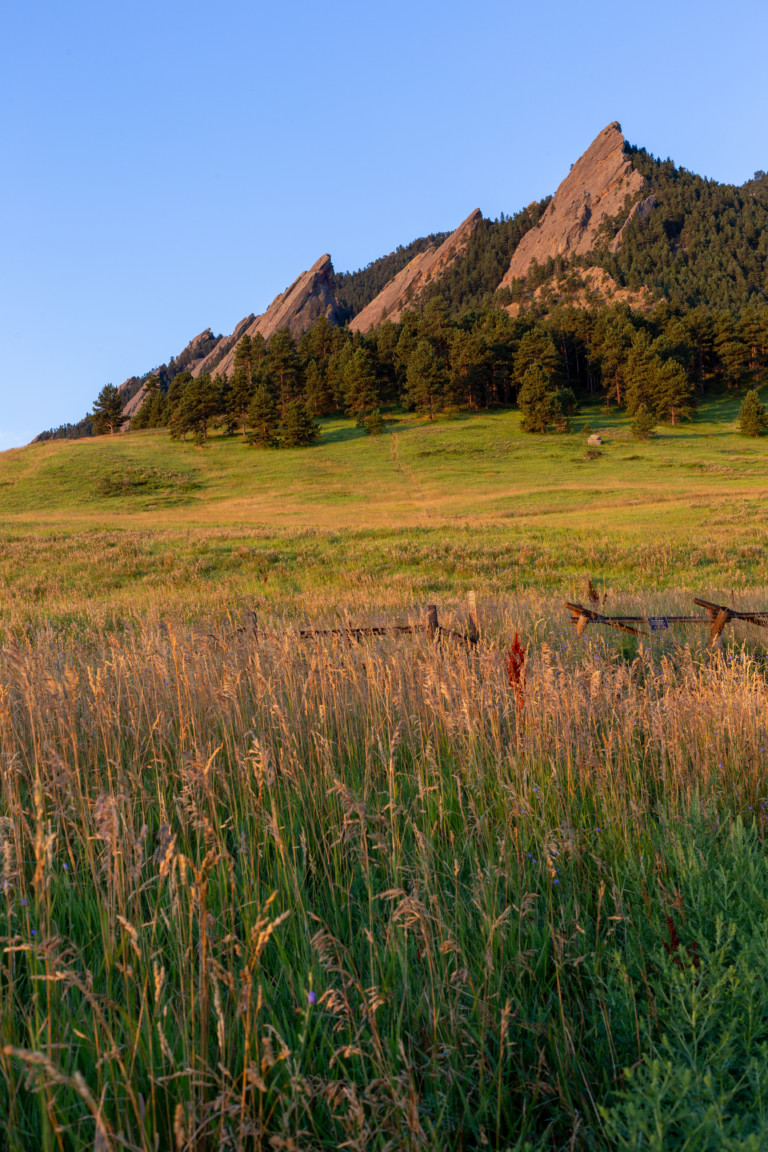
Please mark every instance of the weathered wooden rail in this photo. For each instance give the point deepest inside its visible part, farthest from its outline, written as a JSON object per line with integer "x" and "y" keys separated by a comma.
{"x": 715, "y": 617}
{"x": 431, "y": 627}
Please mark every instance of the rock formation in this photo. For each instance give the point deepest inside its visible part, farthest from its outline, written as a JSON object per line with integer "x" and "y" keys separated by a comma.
{"x": 190, "y": 357}
{"x": 298, "y": 308}
{"x": 596, "y": 188}
{"x": 410, "y": 282}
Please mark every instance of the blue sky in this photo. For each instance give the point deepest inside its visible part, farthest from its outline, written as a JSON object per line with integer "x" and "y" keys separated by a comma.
{"x": 171, "y": 166}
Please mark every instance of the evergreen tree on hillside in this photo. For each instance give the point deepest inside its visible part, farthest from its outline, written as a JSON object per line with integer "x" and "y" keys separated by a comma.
{"x": 753, "y": 415}
{"x": 297, "y": 427}
{"x": 284, "y": 366}
{"x": 263, "y": 418}
{"x": 673, "y": 394}
{"x": 152, "y": 411}
{"x": 537, "y": 348}
{"x": 360, "y": 386}
{"x": 643, "y": 424}
{"x": 335, "y": 373}
{"x": 609, "y": 348}
{"x": 537, "y": 401}
{"x": 239, "y": 389}
{"x": 198, "y": 404}
{"x": 107, "y": 414}
{"x": 425, "y": 380}
{"x": 658, "y": 385}
{"x": 319, "y": 396}
{"x": 732, "y": 352}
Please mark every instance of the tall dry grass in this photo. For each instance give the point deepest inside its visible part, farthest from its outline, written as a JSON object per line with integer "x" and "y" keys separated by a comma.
{"x": 263, "y": 893}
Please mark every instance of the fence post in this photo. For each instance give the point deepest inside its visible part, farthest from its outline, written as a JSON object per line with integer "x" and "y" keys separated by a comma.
{"x": 432, "y": 625}
{"x": 474, "y": 628}
{"x": 718, "y": 623}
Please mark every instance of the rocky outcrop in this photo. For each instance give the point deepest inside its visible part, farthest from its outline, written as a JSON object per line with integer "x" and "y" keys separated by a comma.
{"x": 210, "y": 363}
{"x": 297, "y": 309}
{"x": 131, "y": 407}
{"x": 405, "y": 288}
{"x": 595, "y": 189}
{"x": 586, "y": 288}
{"x": 189, "y": 357}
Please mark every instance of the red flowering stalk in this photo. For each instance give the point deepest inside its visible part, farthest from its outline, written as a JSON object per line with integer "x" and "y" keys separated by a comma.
{"x": 514, "y": 663}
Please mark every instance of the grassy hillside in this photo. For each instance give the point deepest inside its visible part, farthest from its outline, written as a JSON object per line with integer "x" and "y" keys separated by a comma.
{"x": 423, "y": 509}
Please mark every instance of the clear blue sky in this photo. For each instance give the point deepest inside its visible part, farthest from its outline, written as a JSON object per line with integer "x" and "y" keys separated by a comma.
{"x": 170, "y": 166}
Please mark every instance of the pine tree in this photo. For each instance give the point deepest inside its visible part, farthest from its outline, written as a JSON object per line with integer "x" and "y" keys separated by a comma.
{"x": 360, "y": 391}
{"x": 317, "y": 393}
{"x": 753, "y": 415}
{"x": 199, "y": 403}
{"x": 107, "y": 414}
{"x": 425, "y": 380}
{"x": 297, "y": 427}
{"x": 283, "y": 364}
{"x": 151, "y": 412}
{"x": 262, "y": 416}
{"x": 537, "y": 401}
{"x": 672, "y": 392}
{"x": 238, "y": 395}
{"x": 643, "y": 424}
{"x": 538, "y": 348}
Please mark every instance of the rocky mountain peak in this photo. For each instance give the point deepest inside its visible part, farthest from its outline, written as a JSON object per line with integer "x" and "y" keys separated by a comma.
{"x": 596, "y": 188}
{"x": 297, "y": 308}
{"x": 405, "y": 288}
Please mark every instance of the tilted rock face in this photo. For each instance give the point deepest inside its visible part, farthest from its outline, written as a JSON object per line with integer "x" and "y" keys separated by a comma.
{"x": 596, "y": 187}
{"x": 405, "y": 288}
{"x": 131, "y": 407}
{"x": 211, "y": 362}
{"x": 298, "y": 308}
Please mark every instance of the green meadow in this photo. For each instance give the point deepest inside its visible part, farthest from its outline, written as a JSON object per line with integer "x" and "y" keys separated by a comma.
{"x": 420, "y": 510}
{"x": 265, "y": 893}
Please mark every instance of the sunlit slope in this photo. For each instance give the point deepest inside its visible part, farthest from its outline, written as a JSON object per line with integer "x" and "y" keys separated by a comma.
{"x": 421, "y": 512}
{"x": 415, "y": 473}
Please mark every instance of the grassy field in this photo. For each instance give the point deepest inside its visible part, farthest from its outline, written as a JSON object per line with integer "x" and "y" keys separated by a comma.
{"x": 263, "y": 893}
{"x": 421, "y": 510}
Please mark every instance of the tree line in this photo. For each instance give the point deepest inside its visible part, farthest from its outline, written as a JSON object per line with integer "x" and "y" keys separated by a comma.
{"x": 658, "y": 364}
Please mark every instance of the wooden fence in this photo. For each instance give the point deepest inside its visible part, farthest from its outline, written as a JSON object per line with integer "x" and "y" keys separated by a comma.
{"x": 431, "y": 627}
{"x": 715, "y": 617}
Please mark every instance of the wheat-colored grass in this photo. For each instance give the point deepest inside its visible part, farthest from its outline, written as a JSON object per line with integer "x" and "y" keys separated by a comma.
{"x": 265, "y": 893}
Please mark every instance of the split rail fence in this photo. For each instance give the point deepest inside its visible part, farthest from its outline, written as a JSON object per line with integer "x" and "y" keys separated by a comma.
{"x": 431, "y": 627}
{"x": 715, "y": 617}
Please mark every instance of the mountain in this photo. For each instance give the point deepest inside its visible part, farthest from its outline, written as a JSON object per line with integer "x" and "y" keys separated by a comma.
{"x": 601, "y": 185}
{"x": 297, "y": 309}
{"x": 134, "y": 388}
{"x": 623, "y": 228}
{"x": 410, "y": 283}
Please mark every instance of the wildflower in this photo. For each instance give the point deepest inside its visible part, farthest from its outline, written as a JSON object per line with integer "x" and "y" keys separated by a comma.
{"x": 34, "y": 931}
{"x": 312, "y": 997}
{"x": 24, "y": 902}
{"x": 66, "y": 867}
